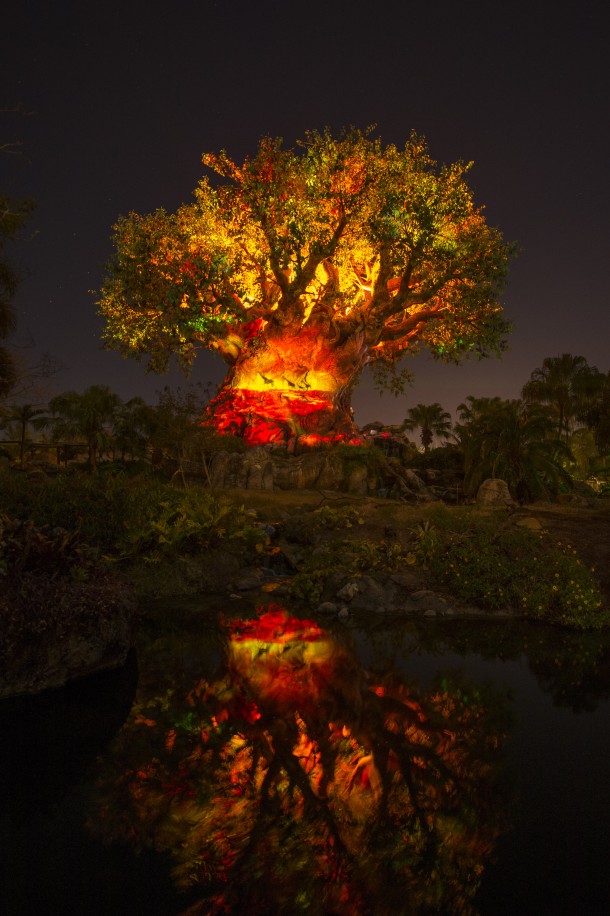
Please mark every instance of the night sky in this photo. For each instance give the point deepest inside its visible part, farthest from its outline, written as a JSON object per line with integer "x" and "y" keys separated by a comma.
{"x": 118, "y": 101}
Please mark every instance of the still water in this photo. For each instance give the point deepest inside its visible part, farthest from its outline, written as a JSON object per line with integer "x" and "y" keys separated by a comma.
{"x": 276, "y": 765}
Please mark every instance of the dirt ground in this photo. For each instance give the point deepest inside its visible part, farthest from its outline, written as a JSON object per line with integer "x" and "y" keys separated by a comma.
{"x": 587, "y": 529}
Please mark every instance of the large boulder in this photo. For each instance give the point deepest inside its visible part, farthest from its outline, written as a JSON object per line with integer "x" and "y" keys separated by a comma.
{"x": 494, "y": 492}
{"x": 52, "y": 632}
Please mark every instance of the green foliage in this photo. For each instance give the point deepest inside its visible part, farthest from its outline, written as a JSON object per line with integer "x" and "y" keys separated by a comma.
{"x": 510, "y": 568}
{"x": 352, "y": 557}
{"x": 27, "y": 549}
{"x": 334, "y": 519}
{"x": 172, "y": 521}
{"x": 444, "y": 457}
{"x": 331, "y": 223}
{"x": 357, "y": 456}
{"x": 96, "y": 508}
{"x": 88, "y": 416}
{"x": 597, "y": 415}
{"x": 568, "y": 385}
{"x": 131, "y": 517}
{"x": 426, "y": 542}
{"x": 431, "y": 420}
{"x": 515, "y": 441}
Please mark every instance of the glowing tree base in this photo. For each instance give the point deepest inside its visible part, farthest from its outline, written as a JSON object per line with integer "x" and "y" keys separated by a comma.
{"x": 280, "y": 417}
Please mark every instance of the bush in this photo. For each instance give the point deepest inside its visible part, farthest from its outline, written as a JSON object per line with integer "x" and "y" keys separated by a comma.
{"x": 128, "y": 517}
{"x": 170, "y": 521}
{"x": 516, "y": 569}
{"x": 28, "y": 550}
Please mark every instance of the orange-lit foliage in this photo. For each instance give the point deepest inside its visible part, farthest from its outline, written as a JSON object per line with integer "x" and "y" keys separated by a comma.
{"x": 293, "y": 784}
{"x": 302, "y": 268}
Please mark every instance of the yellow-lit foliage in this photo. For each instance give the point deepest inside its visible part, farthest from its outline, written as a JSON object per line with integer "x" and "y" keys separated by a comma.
{"x": 344, "y": 235}
{"x": 324, "y": 258}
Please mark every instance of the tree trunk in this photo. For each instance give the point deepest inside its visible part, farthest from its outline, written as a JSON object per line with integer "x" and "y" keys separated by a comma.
{"x": 290, "y": 389}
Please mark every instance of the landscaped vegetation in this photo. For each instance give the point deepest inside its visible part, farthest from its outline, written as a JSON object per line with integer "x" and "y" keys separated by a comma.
{"x": 302, "y": 268}
{"x": 97, "y": 483}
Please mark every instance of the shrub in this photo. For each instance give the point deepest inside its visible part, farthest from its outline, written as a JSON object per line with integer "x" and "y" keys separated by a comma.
{"x": 128, "y": 517}
{"x": 519, "y": 570}
{"x": 169, "y": 521}
{"x": 334, "y": 519}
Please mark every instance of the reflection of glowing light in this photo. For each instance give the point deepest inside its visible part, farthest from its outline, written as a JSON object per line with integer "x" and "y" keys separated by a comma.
{"x": 286, "y": 660}
{"x": 275, "y": 780}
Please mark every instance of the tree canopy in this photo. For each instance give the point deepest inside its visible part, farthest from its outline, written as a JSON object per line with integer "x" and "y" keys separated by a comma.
{"x": 346, "y": 226}
{"x": 364, "y": 252}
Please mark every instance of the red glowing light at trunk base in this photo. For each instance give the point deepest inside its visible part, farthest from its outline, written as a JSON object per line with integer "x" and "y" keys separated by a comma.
{"x": 280, "y": 417}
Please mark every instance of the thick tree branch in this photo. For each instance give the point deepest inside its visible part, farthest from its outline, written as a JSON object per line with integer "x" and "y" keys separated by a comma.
{"x": 318, "y": 253}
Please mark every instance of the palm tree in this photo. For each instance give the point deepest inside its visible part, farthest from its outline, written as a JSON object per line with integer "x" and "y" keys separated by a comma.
{"x": 474, "y": 408}
{"x": 567, "y": 383}
{"x": 132, "y": 427}
{"x": 597, "y": 416}
{"x": 431, "y": 420}
{"x": 87, "y": 416}
{"x": 16, "y": 420}
{"x": 515, "y": 441}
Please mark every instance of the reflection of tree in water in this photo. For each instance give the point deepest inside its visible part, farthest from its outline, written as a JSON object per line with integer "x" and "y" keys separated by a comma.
{"x": 292, "y": 785}
{"x": 572, "y": 666}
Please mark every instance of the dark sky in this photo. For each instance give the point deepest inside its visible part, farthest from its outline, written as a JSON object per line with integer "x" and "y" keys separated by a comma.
{"x": 123, "y": 99}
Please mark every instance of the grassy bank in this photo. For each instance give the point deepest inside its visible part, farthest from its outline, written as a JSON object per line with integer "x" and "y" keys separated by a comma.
{"x": 150, "y": 530}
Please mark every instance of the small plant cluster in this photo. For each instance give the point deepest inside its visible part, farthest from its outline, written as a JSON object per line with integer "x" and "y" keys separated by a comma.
{"x": 185, "y": 521}
{"x": 352, "y": 557}
{"x": 130, "y": 517}
{"x": 334, "y": 519}
{"x": 26, "y": 549}
{"x": 509, "y": 569}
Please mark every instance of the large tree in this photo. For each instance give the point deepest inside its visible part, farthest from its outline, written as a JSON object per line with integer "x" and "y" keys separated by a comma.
{"x": 300, "y": 268}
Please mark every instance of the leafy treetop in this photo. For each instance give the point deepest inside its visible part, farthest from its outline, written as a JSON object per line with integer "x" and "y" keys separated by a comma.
{"x": 343, "y": 235}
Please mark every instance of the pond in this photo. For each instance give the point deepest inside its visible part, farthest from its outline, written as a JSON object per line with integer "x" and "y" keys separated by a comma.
{"x": 273, "y": 764}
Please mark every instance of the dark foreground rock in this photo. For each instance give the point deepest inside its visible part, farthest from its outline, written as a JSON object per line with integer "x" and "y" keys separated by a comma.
{"x": 54, "y": 631}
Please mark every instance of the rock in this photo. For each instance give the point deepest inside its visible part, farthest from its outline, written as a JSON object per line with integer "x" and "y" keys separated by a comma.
{"x": 250, "y": 470}
{"x": 429, "y": 601}
{"x": 323, "y": 470}
{"x": 328, "y": 609}
{"x": 429, "y": 613}
{"x": 357, "y": 482}
{"x": 91, "y": 633}
{"x": 256, "y": 472}
{"x": 370, "y": 596}
{"x": 248, "y": 579}
{"x": 532, "y": 523}
{"x": 571, "y": 499}
{"x": 343, "y": 613}
{"x": 407, "y": 580}
{"x": 349, "y": 590}
{"x": 257, "y": 468}
{"x": 494, "y": 492}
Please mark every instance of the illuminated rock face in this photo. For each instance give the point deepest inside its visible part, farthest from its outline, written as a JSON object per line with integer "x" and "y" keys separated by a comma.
{"x": 290, "y": 388}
